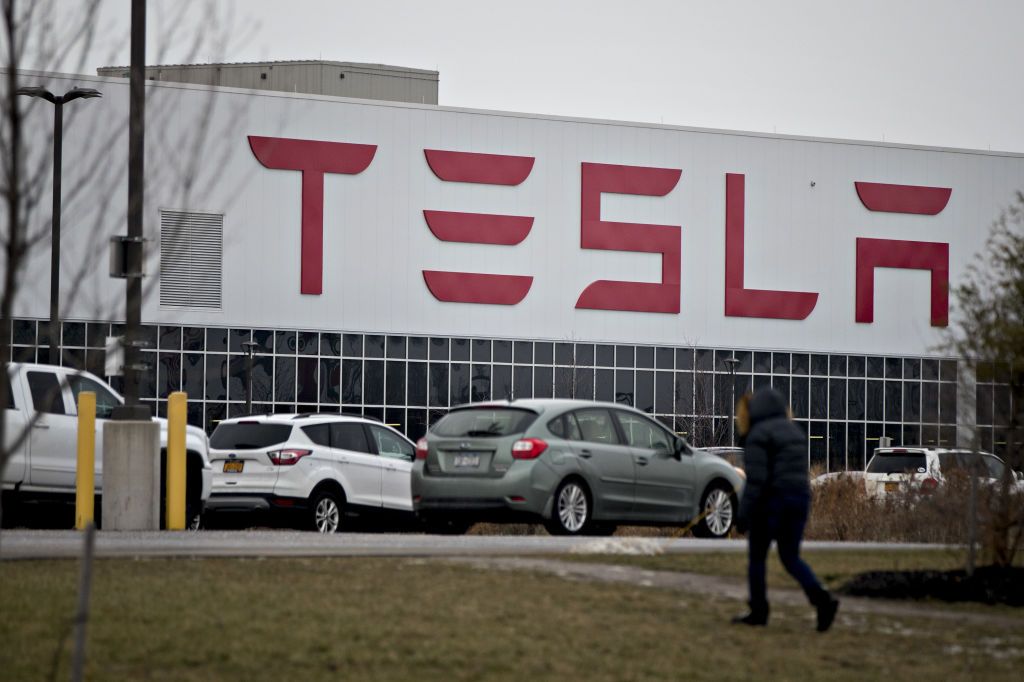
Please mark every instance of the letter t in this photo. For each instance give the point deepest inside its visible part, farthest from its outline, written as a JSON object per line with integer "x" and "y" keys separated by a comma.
{"x": 313, "y": 158}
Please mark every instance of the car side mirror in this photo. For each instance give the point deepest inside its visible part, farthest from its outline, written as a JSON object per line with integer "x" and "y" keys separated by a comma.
{"x": 682, "y": 448}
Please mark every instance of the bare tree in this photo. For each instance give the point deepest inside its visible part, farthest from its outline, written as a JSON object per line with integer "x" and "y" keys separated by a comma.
{"x": 989, "y": 337}
{"x": 31, "y": 35}
{"x": 708, "y": 427}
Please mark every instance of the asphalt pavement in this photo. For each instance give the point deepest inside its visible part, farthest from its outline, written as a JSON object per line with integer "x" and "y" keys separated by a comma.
{"x": 67, "y": 544}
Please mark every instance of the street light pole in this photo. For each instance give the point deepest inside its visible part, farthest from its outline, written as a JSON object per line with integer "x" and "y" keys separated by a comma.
{"x": 731, "y": 363}
{"x": 58, "y": 151}
{"x": 250, "y": 348}
{"x": 58, "y": 102}
{"x": 134, "y": 258}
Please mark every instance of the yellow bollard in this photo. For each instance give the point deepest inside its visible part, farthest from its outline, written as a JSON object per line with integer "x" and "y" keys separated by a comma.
{"x": 177, "y": 409}
{"x": 85, "y": 474}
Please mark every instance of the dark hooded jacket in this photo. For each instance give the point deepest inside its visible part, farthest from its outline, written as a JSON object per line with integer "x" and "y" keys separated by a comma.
{"x": 775, "y": 456}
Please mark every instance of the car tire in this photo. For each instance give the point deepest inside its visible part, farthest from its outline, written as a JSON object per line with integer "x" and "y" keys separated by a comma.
{"x": 572, "y": 509}
{"x": 718, "y": 508}
{"x": 326, "y": 511}
{"x": 444, "y": 525}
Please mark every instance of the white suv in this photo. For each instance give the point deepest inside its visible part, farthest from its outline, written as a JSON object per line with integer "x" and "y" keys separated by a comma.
{"x": 320, "y": 465}
{"x": 924, "y": 468}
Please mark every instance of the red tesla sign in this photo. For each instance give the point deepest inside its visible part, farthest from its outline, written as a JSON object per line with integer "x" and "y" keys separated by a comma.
{"x": 313, "y": 158}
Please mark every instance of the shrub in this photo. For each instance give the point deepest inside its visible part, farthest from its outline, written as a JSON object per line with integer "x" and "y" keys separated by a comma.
{"x": 841, "y": 510}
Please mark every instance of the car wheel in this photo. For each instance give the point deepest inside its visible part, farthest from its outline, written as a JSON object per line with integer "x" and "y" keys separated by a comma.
{"x": 718, "y": 512}
{"x": 572, "y": 509}
{"x": 326, "y": 510}
{"x": 444, "y": 525}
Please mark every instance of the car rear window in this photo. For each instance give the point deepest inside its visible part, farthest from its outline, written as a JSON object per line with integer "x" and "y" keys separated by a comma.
{"x": 896, "y": 462}
{"x": 248, "y": 435}
{"x": 484, "y": 422}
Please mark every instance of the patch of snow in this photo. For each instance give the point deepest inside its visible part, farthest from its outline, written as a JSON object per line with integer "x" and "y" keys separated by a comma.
{"x": 631, "y": 546}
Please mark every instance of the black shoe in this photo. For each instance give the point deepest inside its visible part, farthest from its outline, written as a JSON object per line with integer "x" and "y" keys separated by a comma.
{"x": 752, "y": 618}
{"x": 827, "y": 612}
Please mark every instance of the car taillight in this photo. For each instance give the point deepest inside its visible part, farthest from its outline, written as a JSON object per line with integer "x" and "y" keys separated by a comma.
{"x": 287, "y": 457}
{"x": 528, "y": 448}
{"x": 421, "y": 448}
{"x": 929, "y": 484}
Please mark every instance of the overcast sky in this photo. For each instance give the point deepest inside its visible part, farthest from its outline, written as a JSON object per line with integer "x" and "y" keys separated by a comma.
{"x": 934, "y": 72}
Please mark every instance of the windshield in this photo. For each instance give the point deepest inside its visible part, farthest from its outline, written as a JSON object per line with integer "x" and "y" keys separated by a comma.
{"x": 896, "y": 463}
{"x": 483, "y": 422}
{"x": 248, "y": 435}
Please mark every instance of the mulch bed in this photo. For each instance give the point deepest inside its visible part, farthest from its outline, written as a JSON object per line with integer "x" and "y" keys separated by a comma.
{"x": 988, "y": 585}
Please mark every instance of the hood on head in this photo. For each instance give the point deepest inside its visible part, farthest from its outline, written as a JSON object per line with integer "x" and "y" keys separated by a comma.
{"x": 766, "y": 404}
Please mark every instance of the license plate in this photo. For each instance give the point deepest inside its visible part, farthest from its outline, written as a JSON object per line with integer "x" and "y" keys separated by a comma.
{"x": 233, "y": 466}
{"x": 892, "y": 487}
{"x": 466, "y": 461}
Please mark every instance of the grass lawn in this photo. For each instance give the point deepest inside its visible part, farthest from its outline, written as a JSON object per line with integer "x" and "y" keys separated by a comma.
{"x": 402, "y": 619}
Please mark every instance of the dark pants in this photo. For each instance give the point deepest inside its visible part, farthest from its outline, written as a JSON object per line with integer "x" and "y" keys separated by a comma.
{"x": 782, "y": 518}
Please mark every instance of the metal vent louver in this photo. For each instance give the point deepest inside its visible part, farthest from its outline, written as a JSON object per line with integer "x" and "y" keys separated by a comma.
{"x": 191, "y": 259}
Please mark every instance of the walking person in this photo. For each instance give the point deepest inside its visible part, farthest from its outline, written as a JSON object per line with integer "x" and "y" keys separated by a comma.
{"x": 776, "y": 501}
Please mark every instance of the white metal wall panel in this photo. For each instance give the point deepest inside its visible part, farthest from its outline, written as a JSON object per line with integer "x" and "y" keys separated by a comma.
{"x": 803, "y": 218}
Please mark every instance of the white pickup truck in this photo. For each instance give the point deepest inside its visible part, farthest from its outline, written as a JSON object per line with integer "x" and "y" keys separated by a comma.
{"x": 43, "y": 414}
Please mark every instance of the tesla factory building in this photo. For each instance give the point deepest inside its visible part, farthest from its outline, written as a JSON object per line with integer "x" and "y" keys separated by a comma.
{"x": 396, "y": 258}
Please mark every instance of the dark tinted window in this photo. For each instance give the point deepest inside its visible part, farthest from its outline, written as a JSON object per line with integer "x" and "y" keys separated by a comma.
{"x": 319, "y": 434}
{"x": 896, "y": 463}
{"x": 596, "y": 426}
{"x": 248, "y": 435}
{"x": 954, "y": 461}
{"x": 349, "y": 436}
{"x": 565, "y": 427}
{"x": 484, "y": 422}
{"x": 989, "y": 466}
{"x": 557, "y": 426}
{"x": 46, "y": 393}
{"x": 995, "y": 466}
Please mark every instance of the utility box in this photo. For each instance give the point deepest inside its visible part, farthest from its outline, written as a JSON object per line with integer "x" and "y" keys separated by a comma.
{"x": 124, "y": 251}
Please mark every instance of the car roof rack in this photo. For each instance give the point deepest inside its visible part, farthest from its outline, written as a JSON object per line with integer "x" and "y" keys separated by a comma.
{"x": 306, "y": 415}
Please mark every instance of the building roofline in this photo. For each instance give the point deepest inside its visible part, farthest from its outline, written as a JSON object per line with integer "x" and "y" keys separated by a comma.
{"x": 526, "y": 115}
{"x": 287, "y": 62}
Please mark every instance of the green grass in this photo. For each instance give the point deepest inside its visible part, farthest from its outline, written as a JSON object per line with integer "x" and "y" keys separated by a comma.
{"x": 400, "y": 619}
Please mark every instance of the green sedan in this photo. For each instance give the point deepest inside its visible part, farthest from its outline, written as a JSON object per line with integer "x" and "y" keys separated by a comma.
{"x": 580, "y": 467}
